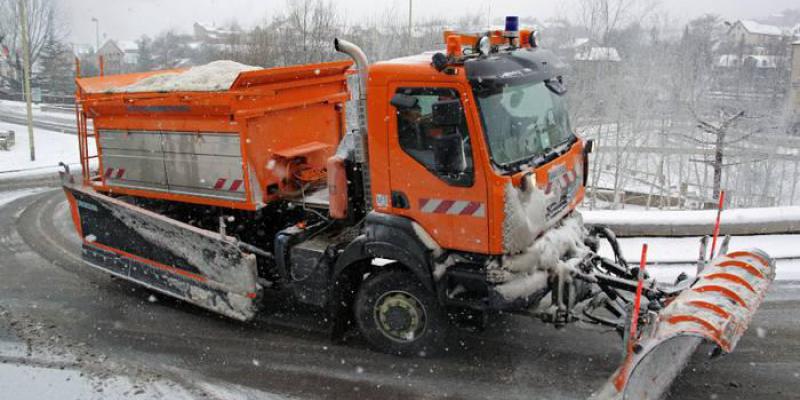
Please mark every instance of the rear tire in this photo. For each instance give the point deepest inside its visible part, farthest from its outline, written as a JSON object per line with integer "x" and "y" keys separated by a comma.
{"x": 398, "y": 315}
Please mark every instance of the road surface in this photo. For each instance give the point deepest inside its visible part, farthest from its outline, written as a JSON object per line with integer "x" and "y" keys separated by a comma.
{"x": 51, "y": 305}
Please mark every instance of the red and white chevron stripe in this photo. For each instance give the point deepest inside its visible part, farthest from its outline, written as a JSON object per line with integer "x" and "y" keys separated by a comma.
{"x": 563, "y": 181}
{"x": 114, "y": 173}
{"x": 453, "y": 207}
{"x": 236, "y": 185}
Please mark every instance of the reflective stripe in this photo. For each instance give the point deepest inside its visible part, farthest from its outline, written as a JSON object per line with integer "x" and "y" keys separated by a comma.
{"x": 429, "y": 205}
{"x": 458, "y": 207}
{"x": 452, "y": 207}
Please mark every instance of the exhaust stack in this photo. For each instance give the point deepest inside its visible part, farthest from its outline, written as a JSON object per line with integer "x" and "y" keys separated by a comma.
{"x": 362, "y": 151}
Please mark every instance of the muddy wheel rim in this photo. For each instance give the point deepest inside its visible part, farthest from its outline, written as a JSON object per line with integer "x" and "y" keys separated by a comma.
{"x": 400, "y": 316}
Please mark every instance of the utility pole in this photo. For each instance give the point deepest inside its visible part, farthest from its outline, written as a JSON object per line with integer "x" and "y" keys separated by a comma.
{"x": 96, "y": 34}
{"x": 410, "y": 24}
{"x": 26, "y": 67}
{"x": 489, "y": 17}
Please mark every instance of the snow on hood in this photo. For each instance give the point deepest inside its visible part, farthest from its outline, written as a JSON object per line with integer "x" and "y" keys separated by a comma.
{"x": 535, "y": 251}
{"x": 525, "y": 217}
{"x": 555, "y": 253}
{"x": 215, "y": 76}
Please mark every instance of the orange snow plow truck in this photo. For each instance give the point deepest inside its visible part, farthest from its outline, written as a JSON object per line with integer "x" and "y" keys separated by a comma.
{"x": 454, "y": 194}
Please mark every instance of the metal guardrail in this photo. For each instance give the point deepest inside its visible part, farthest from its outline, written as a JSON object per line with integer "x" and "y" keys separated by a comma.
{"x": 734, "y": 228}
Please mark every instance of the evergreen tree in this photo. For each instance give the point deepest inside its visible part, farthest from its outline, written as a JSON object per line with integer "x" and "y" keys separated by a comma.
{"x": 145, "y": 61}
{"x": 54, "y": 72}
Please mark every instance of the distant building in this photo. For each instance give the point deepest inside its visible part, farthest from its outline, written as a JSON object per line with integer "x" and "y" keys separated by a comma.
{"x": 752, "y": 33}
{"x": 119, "y": 56}
{"x": 754, "y": 61}
{"x": 584, "y": 50}
{"x": 130, "y": 51}
{"x": 598, "y": 54}
{"x": 81, "y": 50}
{"x": 210, "y": 34}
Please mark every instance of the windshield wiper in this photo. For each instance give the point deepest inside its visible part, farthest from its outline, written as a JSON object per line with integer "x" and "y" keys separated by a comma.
{"x": 535, "y": 160}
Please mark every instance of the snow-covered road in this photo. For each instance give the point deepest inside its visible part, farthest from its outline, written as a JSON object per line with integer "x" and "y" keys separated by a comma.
{"x": 132, "y": 344}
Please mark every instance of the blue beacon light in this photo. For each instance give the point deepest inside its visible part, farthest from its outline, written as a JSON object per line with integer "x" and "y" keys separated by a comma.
{"x": 512, "y": 27}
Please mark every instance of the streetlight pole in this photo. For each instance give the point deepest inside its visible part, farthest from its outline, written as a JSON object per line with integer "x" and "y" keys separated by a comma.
{"x": 96, "y": 34}
{"x": 26, "y": 68}
{"x": 410, "y": 24}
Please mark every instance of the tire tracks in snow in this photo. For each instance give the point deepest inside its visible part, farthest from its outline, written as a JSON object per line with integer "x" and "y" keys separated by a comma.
{"x": 29, "y": 222}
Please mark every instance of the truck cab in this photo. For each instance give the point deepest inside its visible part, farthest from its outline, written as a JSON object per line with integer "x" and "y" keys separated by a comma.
{"x": 505, "y": 122}
{"x": 471, "y": 160}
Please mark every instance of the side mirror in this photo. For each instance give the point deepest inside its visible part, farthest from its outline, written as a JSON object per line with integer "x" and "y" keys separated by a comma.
{"x": 448, "y": 113}
{"x": 589, "y": 147}
{"x": 449, "y": 154}
{"x": 404, "y": 101}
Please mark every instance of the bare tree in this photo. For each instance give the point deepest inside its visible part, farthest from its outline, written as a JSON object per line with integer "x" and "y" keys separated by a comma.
{"x": 718, "y": 137}
{"x": 602, "y": 17}
{"x": 305, "y": 31}
{"x": 43, "y": 27}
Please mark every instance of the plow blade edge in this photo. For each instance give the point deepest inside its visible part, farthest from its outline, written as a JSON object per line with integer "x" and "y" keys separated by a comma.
{"x": 195, "y": 265}
{"x": 717, "y": 308}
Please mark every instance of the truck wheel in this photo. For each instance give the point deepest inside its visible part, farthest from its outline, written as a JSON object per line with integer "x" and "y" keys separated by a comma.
{"x": 398, "y": 315}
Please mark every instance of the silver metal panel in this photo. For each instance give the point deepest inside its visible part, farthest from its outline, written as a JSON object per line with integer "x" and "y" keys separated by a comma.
{"x": 204, "y": 175}
{"x": 145, "y": 141}
{"x": 200, "y": 164}
{"x": 131, "y": 168}
{"x": 214, "y": 144}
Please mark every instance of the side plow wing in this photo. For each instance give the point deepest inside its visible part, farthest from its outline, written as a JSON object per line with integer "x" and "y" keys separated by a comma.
{"x": 195, "y": 265}
{"x": 717, "y": 308}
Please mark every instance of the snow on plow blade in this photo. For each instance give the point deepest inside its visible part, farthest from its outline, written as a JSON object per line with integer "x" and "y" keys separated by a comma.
{"x": 183, "y": 261}
{"x": 717, "y": 308}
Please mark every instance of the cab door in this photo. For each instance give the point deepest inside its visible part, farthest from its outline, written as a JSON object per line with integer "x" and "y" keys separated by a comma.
{"x": 434, "y": 177}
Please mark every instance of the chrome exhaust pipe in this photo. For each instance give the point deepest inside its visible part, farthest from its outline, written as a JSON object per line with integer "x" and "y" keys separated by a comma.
{"x": 362, "y": 151}
{"x": 355, "y": 52}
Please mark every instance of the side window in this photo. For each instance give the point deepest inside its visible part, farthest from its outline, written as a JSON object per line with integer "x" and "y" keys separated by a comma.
{"x": 432, "y": 129}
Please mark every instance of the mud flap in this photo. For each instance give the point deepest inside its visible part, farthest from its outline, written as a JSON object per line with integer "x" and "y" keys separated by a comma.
{"x": 192, "y": 264}
{"x": 717, "y": 308}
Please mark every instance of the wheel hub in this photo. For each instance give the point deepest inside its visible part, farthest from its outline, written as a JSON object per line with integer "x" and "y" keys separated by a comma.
{"x": 400, "y": 316}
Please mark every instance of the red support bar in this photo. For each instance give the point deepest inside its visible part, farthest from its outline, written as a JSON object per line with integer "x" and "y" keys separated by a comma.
{"x": 637, "y": 301}
{"x": 716, "y": 226}
{"x": 621, "y": 379}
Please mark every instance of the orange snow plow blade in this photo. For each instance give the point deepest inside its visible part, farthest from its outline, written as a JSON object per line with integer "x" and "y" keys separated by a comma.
{"x": 717, "y": 308}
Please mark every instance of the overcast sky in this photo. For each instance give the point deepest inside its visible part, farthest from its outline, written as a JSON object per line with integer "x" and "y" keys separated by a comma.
{"x": 129, "y": 19}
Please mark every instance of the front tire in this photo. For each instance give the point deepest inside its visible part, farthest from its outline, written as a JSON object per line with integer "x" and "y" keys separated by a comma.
{"x": 398, "y": 315}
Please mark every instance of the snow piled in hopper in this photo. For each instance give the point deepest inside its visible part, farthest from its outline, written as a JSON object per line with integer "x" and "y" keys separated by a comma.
{"x": 212, "y": 77}
{"x": 531, "y": 260}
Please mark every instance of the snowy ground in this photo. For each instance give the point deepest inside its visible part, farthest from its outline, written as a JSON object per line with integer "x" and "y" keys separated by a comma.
{"x": 51, "y": 148}
{"x": 79, "y": 335}
{"x": 26, "y": 376}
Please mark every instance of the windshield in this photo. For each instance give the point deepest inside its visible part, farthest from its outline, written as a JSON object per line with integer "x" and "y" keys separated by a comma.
{"x": 523, "y": 122}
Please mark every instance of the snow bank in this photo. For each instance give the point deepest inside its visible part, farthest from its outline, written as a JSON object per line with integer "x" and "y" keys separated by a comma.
{"x": 51, "y": 148}
{"x": 702, "y": 217}
{"x": 212, "y": 77}
{"x": 741, "y": 221}
{"x": 665, "y": 250}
